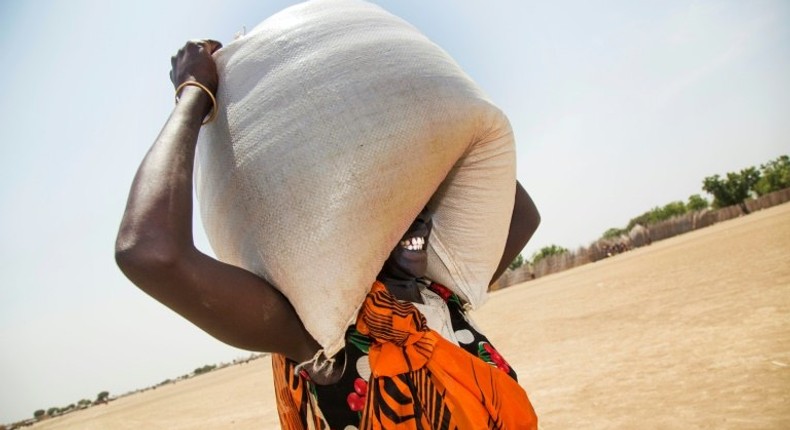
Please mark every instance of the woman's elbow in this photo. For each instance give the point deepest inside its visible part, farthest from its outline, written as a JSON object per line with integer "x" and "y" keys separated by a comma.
{"x": 526, "y": 218}
{"x": 141, "y": 260}
{"x": 531, "y": 225}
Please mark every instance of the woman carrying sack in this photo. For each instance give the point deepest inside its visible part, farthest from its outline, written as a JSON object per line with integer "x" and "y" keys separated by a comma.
{"x": 417, "y": 377}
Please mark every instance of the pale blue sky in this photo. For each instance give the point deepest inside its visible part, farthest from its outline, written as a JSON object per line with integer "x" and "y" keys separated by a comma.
{"x": 617, "y": 107}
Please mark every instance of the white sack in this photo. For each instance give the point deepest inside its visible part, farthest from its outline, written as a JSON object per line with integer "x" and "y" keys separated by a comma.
{"x": 337, "y": 123}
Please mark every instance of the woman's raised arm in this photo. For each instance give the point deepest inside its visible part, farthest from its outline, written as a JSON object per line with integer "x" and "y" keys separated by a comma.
{"x": 523, "y": 223}
{"x": 155, "y": 249}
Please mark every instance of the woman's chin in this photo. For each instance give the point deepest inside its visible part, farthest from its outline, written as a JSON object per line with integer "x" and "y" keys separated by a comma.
{"x": 414, "y": 263}
{"x": 405, "y": 263}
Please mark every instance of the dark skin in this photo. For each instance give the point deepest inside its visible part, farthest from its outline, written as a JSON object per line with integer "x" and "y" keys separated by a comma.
{"x": 523, "y": 223}
{"x": 156, "y": 251}
{"x": 404, "y": 267}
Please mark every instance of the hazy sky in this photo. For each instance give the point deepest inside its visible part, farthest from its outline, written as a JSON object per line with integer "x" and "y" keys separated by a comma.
{"x": 617, "y": 106}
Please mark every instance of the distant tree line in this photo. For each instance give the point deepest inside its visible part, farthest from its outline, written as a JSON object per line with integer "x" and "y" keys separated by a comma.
{"x": 102, "y": 397}
{"x": 205, "y": 369}
{"x": 732, "y": 189}
{"x": 542, "y": 253}
{"x": 736, "y": 187}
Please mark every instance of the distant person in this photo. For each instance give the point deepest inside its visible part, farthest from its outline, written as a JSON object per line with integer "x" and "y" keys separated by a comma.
{"x": 417, "y": 376}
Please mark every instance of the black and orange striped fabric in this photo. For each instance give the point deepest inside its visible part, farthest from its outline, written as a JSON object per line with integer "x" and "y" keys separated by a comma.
{"x": 417, "y": 380}
{"x": 294, "y": 402}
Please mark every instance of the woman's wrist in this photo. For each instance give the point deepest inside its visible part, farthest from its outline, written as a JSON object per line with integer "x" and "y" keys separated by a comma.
{"x": 195, "y": 102}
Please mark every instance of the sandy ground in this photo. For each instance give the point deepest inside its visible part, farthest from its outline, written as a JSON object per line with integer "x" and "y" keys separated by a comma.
{"x": 689, "y": 333}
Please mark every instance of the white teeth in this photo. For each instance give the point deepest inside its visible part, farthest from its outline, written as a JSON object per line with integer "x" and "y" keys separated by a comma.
{"x": 413, "y": 244}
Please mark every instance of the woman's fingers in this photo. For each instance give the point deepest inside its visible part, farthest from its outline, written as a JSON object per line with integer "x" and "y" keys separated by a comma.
{"x": 212, "y": 45}
{"x": 194, "y": 62}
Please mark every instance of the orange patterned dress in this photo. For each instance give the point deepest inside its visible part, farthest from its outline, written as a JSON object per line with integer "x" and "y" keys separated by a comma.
{"x": 400, "y": 374}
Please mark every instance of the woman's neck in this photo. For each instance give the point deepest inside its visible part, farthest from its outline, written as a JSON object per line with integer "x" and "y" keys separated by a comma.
{"x": 406, "y": 289}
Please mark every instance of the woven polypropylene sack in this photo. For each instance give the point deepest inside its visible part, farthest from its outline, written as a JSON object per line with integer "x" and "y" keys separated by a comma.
{"x": 338, "y": 122}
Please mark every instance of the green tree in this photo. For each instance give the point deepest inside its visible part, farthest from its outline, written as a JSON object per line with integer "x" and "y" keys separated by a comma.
{"x": 672, "y": 209}
{"x": 733, "y": 189}
{"x": 697, "y": 203}
{"x": 658, "y": 214}
{"x": 547, "y": 251}
{"x": 39, "y": 414}
{"x": 102, "y": 397}
{"x": 205, "y": 369}
{"x": 614, "y": 233}
{"x": 53, "y": 411}
{"x": 643, "y": 219}
{"x": 774, "y": 176}
{"x": 517, "y": 262}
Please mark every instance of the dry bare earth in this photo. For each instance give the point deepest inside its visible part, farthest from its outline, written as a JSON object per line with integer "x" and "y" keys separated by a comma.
{"x": 689, "y": 333}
